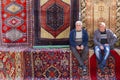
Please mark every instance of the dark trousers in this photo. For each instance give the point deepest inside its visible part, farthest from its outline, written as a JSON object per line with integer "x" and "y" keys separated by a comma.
{"x": 81, "y": 56}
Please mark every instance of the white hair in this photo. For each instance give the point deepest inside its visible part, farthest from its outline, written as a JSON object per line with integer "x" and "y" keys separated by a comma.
{"x": 102, "y": 23}
{"x": 78, "y": 22}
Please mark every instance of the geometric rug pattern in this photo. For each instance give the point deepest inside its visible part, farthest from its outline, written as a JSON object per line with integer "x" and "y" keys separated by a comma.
{"x": 15, "y": 22}
{"x": 118, "y": 19}
{"x": 11, "y": 65}
{"x": 47, "y": 64}
{"x": 54, "y": 18}
{"x": 111, "y": 71}
{"x": 53, "y": 64}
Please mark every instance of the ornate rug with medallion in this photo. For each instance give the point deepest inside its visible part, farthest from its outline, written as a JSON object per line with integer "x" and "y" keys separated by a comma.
{"x": 112, "y": 70}
{"x": 52, "y": 22}
{"x": 16, "y": 22}
{"x": 52, "y": 64}
{"x": 47, "y": 64}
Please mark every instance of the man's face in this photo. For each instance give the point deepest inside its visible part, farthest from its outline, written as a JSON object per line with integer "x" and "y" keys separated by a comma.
{"x": 78, "y": 27}
{"x": 102, "y": 28}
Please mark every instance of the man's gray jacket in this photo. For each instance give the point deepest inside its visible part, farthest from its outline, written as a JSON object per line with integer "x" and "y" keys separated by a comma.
{"x": 111, "y": 38}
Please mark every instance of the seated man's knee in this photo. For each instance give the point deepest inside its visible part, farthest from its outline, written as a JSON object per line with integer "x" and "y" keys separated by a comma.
{"x": 107, "y": 48}
{"x": 96, "y": 49}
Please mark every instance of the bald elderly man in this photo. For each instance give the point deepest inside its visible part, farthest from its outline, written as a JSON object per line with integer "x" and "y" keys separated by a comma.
{"x": 79, "y": 44}
{"x": 104, "y": 40}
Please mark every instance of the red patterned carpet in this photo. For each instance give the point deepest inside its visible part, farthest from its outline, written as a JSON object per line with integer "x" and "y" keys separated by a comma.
{"x": 112, "y": 70}
{"x": 47, "y": 64}
{"x": 11, "y": 64}
{"x": 52, "y": 64}
{"x": 16, "y": 22}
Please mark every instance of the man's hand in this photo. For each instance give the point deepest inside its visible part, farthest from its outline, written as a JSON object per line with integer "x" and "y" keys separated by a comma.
{"x": 106, "y": 44}
{"x": 101, "y": 47}
{"x": 81, "y": 47}
{"x": 78, "y": 47}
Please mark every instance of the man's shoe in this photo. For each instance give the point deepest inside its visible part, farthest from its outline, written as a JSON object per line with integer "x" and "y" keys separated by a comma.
{"x": 84, "y": 68}
{"x": 84, "y": 72}
{"x": 80, "y": 67}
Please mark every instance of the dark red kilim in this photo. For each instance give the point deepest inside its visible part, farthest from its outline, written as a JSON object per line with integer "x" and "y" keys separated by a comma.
{"x": 93, "y": 68}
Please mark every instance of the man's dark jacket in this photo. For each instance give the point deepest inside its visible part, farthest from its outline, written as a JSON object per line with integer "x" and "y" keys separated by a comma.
{"x": 72, "y": 37}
